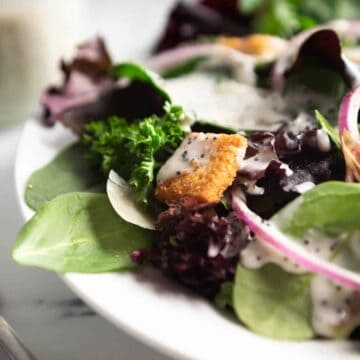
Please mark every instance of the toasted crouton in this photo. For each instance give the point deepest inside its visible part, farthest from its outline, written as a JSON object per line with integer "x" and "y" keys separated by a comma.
{"x": 263, "y": 46}
{"x": 202, "y": 168}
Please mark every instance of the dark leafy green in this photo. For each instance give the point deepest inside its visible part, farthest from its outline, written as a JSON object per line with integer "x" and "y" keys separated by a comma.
{"x": 333, "y": 207}
{"x": 133, "y": 71}
{"x": 274, "y": 303}
{"x": 286, "y": 17}
{"x": 184, "y": 68}
{"x": 79, "y": 232}
{"x": 223, "y": 299}
{"x": 71, "y": 170}
{"x": 136, "y": 150}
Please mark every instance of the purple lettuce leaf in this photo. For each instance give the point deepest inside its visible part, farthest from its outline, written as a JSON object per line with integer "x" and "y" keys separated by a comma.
{"x": 188, "y": 22}
{"x": 287, "y": 165}
{"x": 89, "y": 93}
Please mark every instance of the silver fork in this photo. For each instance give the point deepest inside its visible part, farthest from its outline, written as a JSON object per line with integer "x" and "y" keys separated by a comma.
{"x": 10, "y": 346}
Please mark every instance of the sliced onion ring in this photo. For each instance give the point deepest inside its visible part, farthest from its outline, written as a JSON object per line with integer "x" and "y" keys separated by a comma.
{"x": 170, "y": 58}
{"x": 283, "y": 243}
{"x": 349, "y": 133}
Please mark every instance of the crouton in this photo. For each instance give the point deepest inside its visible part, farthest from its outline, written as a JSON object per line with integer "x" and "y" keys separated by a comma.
{"x": 263, "y": 46}
{"x": 202, "y": 168}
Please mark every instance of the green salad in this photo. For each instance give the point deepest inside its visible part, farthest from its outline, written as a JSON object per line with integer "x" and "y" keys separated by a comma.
{"x": 233, "y": 173}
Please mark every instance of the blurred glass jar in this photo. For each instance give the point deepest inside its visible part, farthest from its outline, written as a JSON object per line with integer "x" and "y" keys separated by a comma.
{"x": 34, "y": 36}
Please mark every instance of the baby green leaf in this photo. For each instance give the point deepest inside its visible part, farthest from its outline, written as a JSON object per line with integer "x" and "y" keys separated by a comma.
{"x": 333, "y": 207}
{"x": 133, "y": 71}
{"x": 273, "y": 303}
{"x": 69, "y": 171}
{"x": 79, "y": 232}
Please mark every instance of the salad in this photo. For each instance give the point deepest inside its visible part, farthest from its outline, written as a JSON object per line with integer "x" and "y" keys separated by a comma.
{"x": 231, "y": 165}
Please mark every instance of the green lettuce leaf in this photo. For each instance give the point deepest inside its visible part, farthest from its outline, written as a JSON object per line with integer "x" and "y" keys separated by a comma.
{"x": 133, "y": 71}
{"x": 71, "y": 170}
{"x": 273, "y": 303}
{"x": 79, "y": 232}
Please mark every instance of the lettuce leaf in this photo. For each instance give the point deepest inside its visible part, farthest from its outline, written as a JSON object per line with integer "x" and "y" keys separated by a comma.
{"x": 71, "y": 170}
{"x": 79, "y": 232}
{"x": 275, "y": 303}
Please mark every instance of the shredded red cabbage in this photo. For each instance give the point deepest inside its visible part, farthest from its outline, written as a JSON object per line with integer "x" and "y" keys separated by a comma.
{"x": 198, "y": 246}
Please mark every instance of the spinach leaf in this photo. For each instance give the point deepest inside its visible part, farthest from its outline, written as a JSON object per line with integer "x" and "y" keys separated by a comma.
{"x": 136, "y": 72}
{"x": 184, "y": 68}
{"x": 69, "y": 171}
{"x": 79, "y": 232}
{"x": 274, "y": 303}
{"x": 333, "y": 207}
{"x": 223, "y": 299}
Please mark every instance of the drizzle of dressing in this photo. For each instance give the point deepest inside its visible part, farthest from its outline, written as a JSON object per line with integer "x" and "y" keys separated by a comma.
{"x": 228, "y": 102}
{"x": 303, "y": 187}
{"x": 258, "y": 253}
{"x": 332, "y": 305}
{"x": 193, "y": 151}
{"x": 302, "y": 122}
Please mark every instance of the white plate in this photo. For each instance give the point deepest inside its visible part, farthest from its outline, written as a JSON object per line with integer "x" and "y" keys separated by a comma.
{"x": 153, "y": 309}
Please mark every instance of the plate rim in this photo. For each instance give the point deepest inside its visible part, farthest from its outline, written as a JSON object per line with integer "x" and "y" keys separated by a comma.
{"x": 164, "y": 347}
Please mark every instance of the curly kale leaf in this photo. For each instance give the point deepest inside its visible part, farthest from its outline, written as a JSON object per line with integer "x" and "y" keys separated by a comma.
{"x": 136, "y": 150}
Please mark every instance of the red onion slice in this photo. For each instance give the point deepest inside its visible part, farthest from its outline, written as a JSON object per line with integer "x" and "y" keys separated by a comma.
{"x": 349, "y": 133}
{"x": 170, "y": 58}
{"x": 287, "y": 246}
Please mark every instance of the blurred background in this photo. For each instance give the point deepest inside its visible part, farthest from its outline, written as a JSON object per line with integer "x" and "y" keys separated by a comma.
{"x": 34, "y": 35}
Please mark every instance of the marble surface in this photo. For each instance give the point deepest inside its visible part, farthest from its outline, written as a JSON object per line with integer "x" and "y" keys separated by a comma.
{"x": 47, "y": 316}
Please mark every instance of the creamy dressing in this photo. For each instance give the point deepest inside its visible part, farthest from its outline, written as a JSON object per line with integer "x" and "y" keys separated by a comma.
{"x": 193, "y": 152}
{"x": 302, "y": 100}
{"x": 242, "y": 66}
{"x": 228, "y": 102}
{"x": 302, "y": 122}
{"x": 323, "y": 140}
{"x": 258, "y": 253}
{"x": 303, "y": 187}
{"x": 332, "y": 306}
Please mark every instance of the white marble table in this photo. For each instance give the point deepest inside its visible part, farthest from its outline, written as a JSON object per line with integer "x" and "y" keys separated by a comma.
{"x": 47, "y": 316}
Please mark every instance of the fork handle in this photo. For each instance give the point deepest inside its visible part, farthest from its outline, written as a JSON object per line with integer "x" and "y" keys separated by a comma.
{"x": 10, "y": 345}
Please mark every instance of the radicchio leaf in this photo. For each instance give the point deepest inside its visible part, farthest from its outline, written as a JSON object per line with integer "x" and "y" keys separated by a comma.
{"x": 89, "y": 92}
{"x": 279, "y": 166}
{"x": 85, "y": 79}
